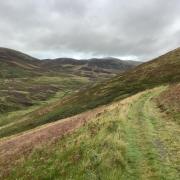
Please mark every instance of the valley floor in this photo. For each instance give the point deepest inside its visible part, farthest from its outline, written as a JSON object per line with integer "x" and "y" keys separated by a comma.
{"x": 128, "y": 140}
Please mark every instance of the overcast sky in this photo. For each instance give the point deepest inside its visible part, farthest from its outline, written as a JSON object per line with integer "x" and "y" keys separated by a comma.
{"x": 129, "y": 29}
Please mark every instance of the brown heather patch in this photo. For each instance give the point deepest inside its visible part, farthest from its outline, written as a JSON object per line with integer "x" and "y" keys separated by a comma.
{"x": 169, "y": 100}
{"x": 171, "y": 97}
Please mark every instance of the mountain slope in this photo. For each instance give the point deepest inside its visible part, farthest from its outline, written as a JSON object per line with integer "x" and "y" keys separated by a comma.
{"x": 15, "y": 64}
{"x": 162, "y": 70}
{"x": 129, "y": 139}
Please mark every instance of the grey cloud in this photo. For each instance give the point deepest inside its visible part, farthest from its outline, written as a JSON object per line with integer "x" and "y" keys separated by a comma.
{"x": 82, "y": 28}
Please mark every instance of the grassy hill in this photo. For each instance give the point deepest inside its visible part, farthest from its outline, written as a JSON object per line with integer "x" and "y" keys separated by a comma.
{"x": 160, "y": 71}
{"x": 129, "y": 139}
{"x": 15, "y": 64}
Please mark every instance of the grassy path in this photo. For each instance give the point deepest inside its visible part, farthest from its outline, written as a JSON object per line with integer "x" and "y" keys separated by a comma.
{"x": 128, "y": 140}
{"x": 153, "y": 141}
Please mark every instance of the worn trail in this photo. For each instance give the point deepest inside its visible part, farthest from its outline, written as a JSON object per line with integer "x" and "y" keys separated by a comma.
{"x": 153, "y": 140}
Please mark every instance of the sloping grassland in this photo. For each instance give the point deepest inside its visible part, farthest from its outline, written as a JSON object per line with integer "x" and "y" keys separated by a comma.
{"x": 129, "y": 139}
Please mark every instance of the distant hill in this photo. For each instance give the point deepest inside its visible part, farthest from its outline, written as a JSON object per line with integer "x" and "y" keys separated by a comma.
{"x": 108, "y": 64}
{"x": 92, "y": 68}
{"x": 17, "y": 64}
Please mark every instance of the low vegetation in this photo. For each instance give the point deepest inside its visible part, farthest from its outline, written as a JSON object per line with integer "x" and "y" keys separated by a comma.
{"x": 169, "y": 101}
{"x": 131, "y": 139}
{"x": 20, "y": 93}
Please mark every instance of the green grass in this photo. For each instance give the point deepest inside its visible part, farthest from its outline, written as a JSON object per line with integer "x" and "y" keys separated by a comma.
{"x": 130, "y": 140}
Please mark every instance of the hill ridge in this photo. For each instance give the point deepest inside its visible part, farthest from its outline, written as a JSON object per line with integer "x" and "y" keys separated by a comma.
{"x": 24, "y": 65}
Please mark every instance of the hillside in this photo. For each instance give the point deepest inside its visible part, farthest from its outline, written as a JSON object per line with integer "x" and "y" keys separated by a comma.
{"x": 160, "y": 71}
{"x": 26, "y": 81}
{"x": 91, "y": 68}
{"x": 128, "y": 139}
{"x": 14, "y": 64}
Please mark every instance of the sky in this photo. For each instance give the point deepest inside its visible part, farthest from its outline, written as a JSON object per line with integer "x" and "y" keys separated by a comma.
{"x": 126, "y": 29}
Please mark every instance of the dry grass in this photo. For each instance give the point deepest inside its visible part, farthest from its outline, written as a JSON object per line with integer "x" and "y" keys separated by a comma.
{"x": 169, "y": 101}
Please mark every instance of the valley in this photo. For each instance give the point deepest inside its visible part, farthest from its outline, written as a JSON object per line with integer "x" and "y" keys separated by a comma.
{"x": 28, "y": 85}
{"x": 26, "y": 81}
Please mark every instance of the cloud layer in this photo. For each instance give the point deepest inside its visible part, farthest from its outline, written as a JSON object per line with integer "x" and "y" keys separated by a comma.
{"x": 82, "y": 29}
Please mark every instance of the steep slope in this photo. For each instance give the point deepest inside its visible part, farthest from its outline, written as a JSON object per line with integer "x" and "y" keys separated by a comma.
{"x": 129, "y": 139}
{"x": 162, "y": 70}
